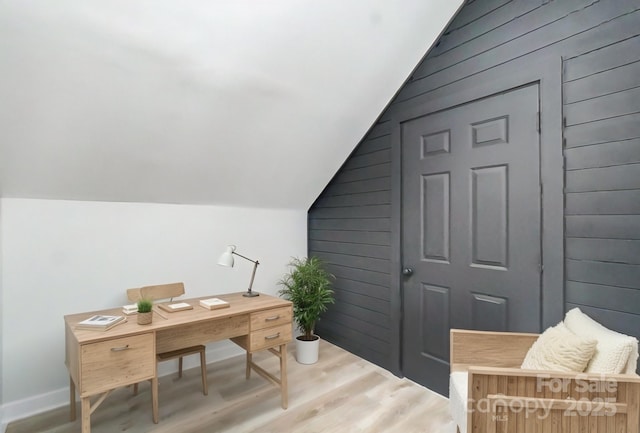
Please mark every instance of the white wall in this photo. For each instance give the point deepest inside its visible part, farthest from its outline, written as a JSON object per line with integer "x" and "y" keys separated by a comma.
{"x": 63, "y": 257}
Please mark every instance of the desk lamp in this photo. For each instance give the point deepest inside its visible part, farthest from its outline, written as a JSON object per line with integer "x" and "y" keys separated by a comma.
{"x": 226, "y": 259}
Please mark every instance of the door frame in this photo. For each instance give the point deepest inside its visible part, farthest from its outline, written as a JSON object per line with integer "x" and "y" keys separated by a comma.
{"x": 536, "y": 68}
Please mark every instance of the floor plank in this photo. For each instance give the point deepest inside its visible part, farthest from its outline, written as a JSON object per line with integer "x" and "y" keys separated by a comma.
{"x": 341, "y": 393}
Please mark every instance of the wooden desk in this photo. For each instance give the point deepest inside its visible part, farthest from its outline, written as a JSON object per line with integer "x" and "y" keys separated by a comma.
{"x": 101, "y": 361}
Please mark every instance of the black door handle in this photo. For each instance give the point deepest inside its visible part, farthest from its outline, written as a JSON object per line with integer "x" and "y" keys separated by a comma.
{"x": 407, "y": 272}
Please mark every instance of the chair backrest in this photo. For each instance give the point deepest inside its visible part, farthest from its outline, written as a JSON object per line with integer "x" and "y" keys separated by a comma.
{"x": 162, "y": 291}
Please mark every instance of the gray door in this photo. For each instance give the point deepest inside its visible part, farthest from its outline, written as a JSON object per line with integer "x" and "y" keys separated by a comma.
{"x": 470, "y": 227}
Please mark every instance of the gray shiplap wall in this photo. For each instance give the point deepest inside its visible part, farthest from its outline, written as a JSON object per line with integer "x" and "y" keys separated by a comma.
{"x": 601, "y": 93}
{"x": 599, "y": 42}
{"x": 349, "y": 228}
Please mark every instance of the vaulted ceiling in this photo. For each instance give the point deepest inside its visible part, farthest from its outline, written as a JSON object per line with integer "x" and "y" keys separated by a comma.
{"x": 229, "y": 102}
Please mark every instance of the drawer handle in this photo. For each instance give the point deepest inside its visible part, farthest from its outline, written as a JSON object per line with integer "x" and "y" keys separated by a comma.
{"x": 120, "y": 349}
{"x": 272, "y": 337}
{"x": 272, "y": 318}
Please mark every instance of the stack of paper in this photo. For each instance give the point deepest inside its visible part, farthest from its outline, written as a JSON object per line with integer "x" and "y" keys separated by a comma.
{"x": 130, "y": 309}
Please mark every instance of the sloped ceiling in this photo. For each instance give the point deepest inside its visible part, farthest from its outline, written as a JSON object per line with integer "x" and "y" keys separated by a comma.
{"x": 234, "y": 102}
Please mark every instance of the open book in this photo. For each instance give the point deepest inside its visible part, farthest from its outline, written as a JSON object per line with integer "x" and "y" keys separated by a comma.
{"x": 100, "y": 322}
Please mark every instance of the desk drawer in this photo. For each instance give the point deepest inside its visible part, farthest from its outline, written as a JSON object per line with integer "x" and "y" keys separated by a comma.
{"x": 118, "y": 362}
{"x": 270, "y": 318}
{"x": 269, "y": 337}
{"x": 191, "y": 334}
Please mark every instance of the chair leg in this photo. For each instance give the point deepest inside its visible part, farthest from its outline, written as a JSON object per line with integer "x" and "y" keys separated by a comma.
{"x": 203, "y": 367}
{"x": 186, "y": 352}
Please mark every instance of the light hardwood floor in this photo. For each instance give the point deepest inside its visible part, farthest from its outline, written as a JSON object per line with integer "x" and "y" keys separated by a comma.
{"x": 341, "y": 393}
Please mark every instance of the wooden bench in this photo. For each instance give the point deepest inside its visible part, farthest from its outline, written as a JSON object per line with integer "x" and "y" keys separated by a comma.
{"x": 501, "y": 397}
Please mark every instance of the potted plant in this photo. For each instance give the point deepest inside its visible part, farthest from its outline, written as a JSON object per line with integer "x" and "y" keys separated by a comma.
{"x": 308, "y": 287}
{"x": 145, "y": 311}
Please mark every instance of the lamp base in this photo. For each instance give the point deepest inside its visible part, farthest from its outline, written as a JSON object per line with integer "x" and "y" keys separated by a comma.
{"x": 250, "y": 294}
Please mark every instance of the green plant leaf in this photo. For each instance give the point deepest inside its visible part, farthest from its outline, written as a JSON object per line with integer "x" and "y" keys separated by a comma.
{"x": 308, "y": 286}
{"x": 145, "y": 305}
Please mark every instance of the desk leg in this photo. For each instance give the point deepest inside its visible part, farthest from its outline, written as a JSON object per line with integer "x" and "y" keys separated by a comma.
{"x": 248, "y": 372}
{"x": 86, "y": 414}
{"x": 72, "y": 400}
{"x": 154, "y": 398}
{"x": 283, "y": 376}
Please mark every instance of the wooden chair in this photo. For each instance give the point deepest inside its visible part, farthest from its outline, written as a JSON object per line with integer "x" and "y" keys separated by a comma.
{"x": 501, "y": 397}
{"x": 170, "y": 291}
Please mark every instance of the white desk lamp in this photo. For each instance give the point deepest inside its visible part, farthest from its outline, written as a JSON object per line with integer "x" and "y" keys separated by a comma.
{"x": 226, "y": 259}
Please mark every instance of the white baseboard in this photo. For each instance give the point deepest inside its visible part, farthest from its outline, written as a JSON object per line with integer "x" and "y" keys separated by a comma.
{"x": 34, "y": 405}
{"x": 26, "y": 407}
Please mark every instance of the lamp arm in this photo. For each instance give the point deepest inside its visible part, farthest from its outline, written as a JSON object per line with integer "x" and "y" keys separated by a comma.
{"x": 246, "y": 258}
{"x": 248, "y": 293}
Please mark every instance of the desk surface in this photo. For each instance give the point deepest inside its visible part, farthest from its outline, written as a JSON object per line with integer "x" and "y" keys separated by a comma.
{"x": 238, "y": 305}
{"x": 100, "y": 361}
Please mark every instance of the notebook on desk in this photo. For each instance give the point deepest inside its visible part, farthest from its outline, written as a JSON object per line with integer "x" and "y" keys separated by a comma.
{"x": 176, "y": 306}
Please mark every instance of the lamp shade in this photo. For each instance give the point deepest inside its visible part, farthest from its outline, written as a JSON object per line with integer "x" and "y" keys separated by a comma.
{"x": 226, "y": 259}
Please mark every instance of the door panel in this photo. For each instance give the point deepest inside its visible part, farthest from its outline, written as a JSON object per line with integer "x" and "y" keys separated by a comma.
{"x": 435, "y": 218}
{"x": 489, "y": 216}
{"x": 470, "y": 226}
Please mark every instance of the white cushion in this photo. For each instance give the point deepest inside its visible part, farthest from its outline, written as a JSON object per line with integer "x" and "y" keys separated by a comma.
{"x": 615, "y": 352}
{"x": 632, "y": 363}
{"x": 559, "y": 349}
{"x": 458, "y": 392}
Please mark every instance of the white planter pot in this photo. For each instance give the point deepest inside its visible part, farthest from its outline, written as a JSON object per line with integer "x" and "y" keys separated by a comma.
{"x": 307, "y": 351}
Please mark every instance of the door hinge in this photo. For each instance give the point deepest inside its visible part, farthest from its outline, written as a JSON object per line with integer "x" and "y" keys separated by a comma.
{"x": 539, "y": 122}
